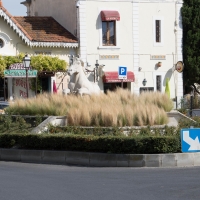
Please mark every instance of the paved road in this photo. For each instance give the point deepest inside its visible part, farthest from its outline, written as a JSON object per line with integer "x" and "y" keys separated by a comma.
{"x": 22, "y": 181}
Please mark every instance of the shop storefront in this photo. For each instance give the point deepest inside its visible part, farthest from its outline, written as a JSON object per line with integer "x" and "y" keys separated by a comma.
{"x": 111, "y": 81}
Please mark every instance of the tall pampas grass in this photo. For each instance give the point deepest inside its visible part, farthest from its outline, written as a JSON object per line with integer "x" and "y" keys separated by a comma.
{"x": 119, "y": 108}
{"x": 160, "y": 99}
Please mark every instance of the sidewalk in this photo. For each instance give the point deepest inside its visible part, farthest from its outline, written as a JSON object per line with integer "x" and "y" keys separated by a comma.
{"x": 100, "y": 159}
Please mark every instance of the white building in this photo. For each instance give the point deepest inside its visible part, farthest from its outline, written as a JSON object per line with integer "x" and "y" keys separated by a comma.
{"x": 143, "y": 35}
{"x": 33, "y": 35}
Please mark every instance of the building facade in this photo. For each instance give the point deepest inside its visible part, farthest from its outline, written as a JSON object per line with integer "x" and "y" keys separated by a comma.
{"x": 143, "y": 35}
{"x": 32, "y": 36}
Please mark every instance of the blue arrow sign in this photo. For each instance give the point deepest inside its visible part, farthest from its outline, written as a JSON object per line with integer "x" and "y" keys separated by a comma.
{"x": 122, "y": 72}
{"x": 190, "y": 140}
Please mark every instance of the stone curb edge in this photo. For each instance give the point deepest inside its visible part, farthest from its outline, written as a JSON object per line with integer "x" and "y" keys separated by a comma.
{"x": 100, "y": 159}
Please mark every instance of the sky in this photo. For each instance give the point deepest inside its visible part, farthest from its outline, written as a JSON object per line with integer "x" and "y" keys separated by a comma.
{"x": 14, "y": 7}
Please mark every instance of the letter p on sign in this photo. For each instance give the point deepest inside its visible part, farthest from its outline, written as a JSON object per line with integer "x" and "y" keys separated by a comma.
{"x": 122, "y": 72}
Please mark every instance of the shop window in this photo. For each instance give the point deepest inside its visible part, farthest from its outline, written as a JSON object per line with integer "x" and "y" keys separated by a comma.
{"x": 113, "y": 86}
{"x": 146, "y": 89}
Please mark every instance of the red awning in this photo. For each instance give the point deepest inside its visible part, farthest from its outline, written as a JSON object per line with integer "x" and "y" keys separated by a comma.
{"x": 112, "y": 77}
{"x": 110, "y": 15}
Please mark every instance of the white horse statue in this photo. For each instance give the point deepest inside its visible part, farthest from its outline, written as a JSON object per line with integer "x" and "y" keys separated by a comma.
{"x": 79, "y": 83}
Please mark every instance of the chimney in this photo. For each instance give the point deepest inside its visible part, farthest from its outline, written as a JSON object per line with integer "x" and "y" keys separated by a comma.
{"x": 1, "y": 4}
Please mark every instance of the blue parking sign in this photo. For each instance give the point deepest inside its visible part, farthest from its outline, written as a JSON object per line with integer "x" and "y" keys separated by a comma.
{"x": 122, "y": 72}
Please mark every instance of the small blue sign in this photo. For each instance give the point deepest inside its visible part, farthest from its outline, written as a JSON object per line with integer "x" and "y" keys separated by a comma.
{"x": 190, "y": 140}
{"x": 122, "y": 72}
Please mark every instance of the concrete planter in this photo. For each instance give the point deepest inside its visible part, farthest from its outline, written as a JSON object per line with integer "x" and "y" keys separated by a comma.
{"x": 100, "y": 159}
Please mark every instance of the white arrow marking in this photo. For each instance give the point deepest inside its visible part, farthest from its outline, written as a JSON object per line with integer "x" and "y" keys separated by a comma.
{"x": 194, "y": 144}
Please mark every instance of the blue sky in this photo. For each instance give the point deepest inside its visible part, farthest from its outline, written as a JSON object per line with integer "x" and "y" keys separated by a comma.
{"x": 14, "y": 7}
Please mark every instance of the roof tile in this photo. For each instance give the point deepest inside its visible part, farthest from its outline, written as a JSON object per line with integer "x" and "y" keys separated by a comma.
{"x": 41, "y": 29}
{"x": 44, "y": 29}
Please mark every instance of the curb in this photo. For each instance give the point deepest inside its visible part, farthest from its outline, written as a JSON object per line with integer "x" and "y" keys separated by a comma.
{"x": 100, "y": 159}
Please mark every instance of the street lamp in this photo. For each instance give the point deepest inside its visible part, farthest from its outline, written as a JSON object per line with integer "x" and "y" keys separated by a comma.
{"x": 26, "y": 62}
{"x": 144, "y": 82}
{"x": 95, "y": 70}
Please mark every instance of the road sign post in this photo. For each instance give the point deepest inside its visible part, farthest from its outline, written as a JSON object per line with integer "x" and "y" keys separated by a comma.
{"x": 190, "y": 140}
{"x": 122, "y": 74}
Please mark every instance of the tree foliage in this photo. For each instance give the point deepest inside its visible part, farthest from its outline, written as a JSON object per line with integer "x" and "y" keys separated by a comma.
{"x": 48, "y": 63}
{"x": 191, "y": 42}
{"x": 39, "y": 62}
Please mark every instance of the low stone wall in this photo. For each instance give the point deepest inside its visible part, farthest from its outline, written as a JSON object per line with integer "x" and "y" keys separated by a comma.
{"x": 54, "y": 120}
{"x": 100, "y": 159}
{"x": 174, "y": 116}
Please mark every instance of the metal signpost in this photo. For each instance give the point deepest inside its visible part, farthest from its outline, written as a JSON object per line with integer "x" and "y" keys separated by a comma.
{"x": 190, "y": 140}
{"x": 122, "y": 73}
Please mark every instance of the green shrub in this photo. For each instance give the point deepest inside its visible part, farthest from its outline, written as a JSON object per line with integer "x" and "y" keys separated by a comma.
{"x": 90, "y": 143}
{"x": 8, "y": 140}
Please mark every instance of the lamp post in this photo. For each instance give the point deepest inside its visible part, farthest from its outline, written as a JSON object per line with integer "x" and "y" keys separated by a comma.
{"x": 191, "y": 100}
{"x": 95, "y": 71}
{"x": 26, "y": 62}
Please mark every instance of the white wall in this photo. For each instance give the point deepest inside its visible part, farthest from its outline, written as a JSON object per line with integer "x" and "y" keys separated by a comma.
{"x": 135, "y": 45}
{"x": 135, "y": 42}
{"x": 64, "y": 11}
{"x": 166, "y": 11}
{"x": 91, "y": 47}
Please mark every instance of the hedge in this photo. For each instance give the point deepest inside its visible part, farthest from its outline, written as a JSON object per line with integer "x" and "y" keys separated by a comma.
{"x": 91, "y": 143}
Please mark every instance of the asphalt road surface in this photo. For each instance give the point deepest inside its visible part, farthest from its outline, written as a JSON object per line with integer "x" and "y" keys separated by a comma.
{"x": 23, "y": 181}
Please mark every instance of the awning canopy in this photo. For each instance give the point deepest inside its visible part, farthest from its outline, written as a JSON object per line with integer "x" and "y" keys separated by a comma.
{"x": 112, "y": 77}
{"x": 110, "y": 15}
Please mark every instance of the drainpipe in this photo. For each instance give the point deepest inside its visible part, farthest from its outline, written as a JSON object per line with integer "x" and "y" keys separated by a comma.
{"x": 77, "y": 20}
{"x": 175, "y": 56}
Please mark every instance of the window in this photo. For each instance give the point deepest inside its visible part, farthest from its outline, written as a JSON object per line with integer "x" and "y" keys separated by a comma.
{"x": 108, "y": 33}
{"x": 1, "y": 43}
{"x": 109, "y": 29}
{"x": 158, "y": 83}
{"x": 158, "y": 30}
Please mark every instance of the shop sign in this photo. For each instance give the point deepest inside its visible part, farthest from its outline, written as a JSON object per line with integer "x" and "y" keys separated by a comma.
{"x": 19, "y": 73}
{"x": 18, "y": 66}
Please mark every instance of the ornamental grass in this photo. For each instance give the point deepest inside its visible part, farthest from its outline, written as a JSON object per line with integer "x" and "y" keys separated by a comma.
{"x": 119, "y": 108}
